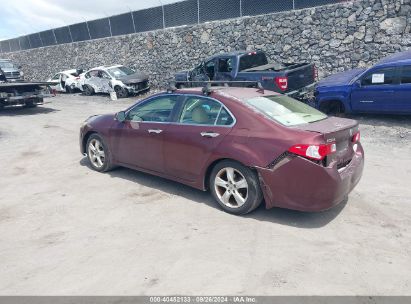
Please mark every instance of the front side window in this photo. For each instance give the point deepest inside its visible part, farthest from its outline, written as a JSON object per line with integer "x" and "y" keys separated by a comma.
{"x": 204, "y": 111}
{"x": 158, "y": 110}
{"x": 379, "y": 77}
{"x": 56, "y": 77}
{"x": 406, "y": 74}
{"x": 209, "y": 68}
{"x": 285, "y": 110}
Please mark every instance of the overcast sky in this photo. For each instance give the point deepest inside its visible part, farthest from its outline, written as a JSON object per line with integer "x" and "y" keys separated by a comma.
{"x": 22, "y": 17}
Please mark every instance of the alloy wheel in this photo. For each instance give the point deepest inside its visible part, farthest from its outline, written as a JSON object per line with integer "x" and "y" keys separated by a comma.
{"x": 96, "y": 153}
{"x": 231, "y": 187}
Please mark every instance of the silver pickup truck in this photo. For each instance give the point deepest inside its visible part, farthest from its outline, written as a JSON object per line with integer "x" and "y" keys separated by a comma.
{"x": 11, "y": 70}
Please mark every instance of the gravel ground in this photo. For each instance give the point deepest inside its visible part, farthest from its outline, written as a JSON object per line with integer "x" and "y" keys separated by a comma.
{"x": 67, "y": 230}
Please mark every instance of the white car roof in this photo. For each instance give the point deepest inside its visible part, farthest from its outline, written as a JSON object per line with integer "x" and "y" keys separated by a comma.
{"x": 104, "y": 67}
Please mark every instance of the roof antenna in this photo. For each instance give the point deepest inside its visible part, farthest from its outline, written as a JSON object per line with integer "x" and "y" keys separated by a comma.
{"x": 260, "y": 87}
{"x": 207, "y": 89}
{"x": 171, "y": 88}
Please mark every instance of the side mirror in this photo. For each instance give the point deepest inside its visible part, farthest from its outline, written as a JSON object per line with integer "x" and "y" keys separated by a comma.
{"x": 121, "y": 116}
{"x": 357, "y": 83}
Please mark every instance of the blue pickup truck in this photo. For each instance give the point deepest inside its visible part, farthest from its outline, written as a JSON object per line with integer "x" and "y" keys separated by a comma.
{"x": 295, "y": 79}
{"x": 383, "y": 88}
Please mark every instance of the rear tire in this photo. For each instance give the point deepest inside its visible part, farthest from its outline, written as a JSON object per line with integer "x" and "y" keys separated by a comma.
{"x": 88, "y": 90}
{"x": 236, "y": 188}
{"x": 69, "y": 89}
{"x": 98, "y": 154}
{"x": 333, "y": 108}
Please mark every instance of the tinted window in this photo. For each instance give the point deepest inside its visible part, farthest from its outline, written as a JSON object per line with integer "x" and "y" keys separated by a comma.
{"x": 379, "y": 77}
{"x": 209, "y": 67}
{"x": 285, "y": 110}
{"x": 252, "y": 60}
{"x": 156, "y": 110}
{"x": 224, "y": 118}
{"x": 225, "y": 65}
{"x": 200, "y": 111}
{"x": 406, "y": 74}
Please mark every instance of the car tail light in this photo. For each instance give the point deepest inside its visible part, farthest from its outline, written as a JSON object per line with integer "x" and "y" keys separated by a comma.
{"x": 78, "y": 77}
{"x": 317, "y": 152}
{"x": 356, "y": 137}
{"x": 282, "y": 82}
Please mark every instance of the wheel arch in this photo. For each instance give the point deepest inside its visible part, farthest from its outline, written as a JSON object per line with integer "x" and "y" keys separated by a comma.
{"x": 85, "y": 139}
{"x": 327, "y": 103}
{"x": 210, "y": 167}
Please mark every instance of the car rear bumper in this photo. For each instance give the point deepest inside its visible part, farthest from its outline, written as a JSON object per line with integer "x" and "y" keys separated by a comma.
{"x": 303, "y": 185}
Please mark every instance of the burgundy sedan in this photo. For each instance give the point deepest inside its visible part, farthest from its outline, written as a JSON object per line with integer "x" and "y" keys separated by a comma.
{"x": 245, "y": 145}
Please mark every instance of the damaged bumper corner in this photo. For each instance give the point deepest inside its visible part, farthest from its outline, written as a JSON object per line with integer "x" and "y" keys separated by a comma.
{"x": 300, "y": 184}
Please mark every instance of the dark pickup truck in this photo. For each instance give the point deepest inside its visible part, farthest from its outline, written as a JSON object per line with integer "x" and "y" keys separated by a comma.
{"x": 295, "y": 79}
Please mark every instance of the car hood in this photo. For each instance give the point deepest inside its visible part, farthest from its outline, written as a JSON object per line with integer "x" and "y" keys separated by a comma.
{"x": 343, "y": 78}
{"x": 8, "y": 70}
{"x": 138, "y": 76}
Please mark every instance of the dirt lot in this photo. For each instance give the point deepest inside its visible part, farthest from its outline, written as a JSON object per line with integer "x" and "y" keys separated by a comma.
{"x": 65, "y": 229}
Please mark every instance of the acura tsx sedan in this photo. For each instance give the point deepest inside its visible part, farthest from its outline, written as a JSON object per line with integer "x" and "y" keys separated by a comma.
{"x": 244, "y": 145}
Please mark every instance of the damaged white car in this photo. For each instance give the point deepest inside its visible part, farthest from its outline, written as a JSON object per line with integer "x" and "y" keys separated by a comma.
{"x": 66, "y": 81}
{"x": 118, "y": 78}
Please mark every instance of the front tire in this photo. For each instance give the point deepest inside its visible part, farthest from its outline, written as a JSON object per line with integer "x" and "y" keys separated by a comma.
{"x": 235, "y": 187}
{"x": 98, "y": 154}
{"x": 121, "y": 92}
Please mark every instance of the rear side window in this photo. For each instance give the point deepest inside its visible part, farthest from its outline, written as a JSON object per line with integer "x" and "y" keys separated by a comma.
{"x": 285, "y": 110}
{"x": 379, "y": 77}
{"x": 406, "y": 74}
{"x": 252, "y": 60}
{"x": 225, "y": 65}
{"x": 205, "y": 111}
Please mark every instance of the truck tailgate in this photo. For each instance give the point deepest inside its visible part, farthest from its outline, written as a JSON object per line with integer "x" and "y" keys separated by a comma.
{"x": 300, "y": 77}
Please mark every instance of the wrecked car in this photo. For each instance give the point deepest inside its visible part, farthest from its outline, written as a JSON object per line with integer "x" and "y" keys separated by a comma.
{"x": 242, "y": 144}
{"x": 66, "y": 81}
{"x": 11, "y": 71}
{"x": 294, "y": 79}
{"x": 118, "y": 78}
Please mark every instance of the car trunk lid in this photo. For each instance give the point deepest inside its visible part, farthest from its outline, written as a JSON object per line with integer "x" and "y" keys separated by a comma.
{"x": 339, "y": 131}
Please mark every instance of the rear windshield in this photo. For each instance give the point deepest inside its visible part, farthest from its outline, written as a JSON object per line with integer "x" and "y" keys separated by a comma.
{"x": 120, "y": 71}
{"x": 252, "y": 60}
{"x": 285, "y": 110}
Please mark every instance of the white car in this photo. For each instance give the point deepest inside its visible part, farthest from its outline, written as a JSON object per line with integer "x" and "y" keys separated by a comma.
{"x": 66, "y": 81}
{"x": 118, "y": 78}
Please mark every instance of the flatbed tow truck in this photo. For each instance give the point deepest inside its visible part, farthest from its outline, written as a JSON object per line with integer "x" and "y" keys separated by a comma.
{"x": 27, "y": 94}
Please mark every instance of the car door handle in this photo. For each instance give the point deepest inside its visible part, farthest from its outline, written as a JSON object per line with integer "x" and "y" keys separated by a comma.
{"x": 155, "y": 131}
{"x": 209, "y": 134}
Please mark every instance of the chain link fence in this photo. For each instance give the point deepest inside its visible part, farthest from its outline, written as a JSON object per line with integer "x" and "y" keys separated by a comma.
{"x": 186, "y": 12}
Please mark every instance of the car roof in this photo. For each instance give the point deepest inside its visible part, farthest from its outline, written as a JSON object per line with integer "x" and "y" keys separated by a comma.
{"x": 229, "y": 54}
{"x": 106, "y": 67}
{"x": 69, "y": 71}
{"x": 396, "y": 58}
{"x": 235, "y": 92}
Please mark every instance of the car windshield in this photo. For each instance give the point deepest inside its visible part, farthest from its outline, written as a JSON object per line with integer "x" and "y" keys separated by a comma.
{"x": 6, "y": 65}
{"x": 285, "y": 110}
{"x": 120, "y": 71}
